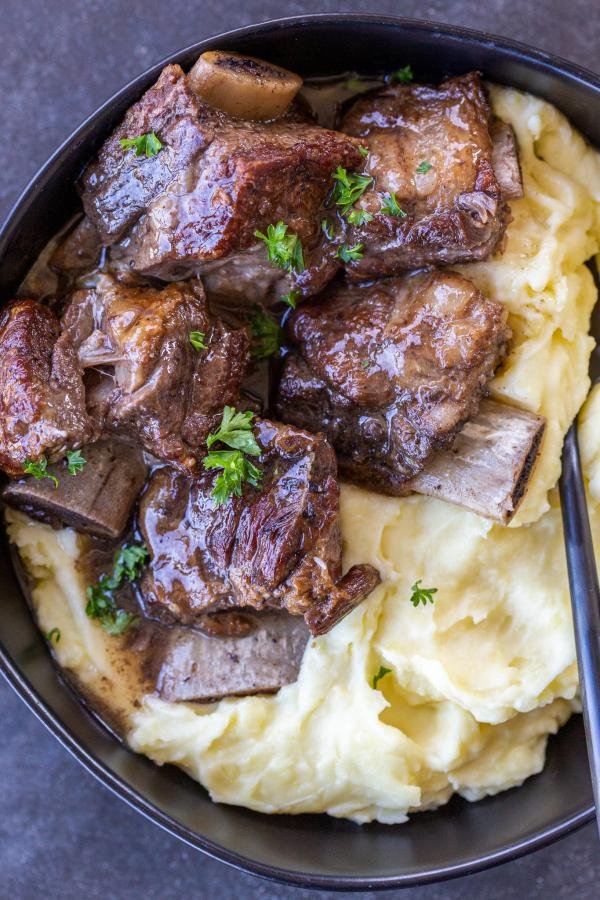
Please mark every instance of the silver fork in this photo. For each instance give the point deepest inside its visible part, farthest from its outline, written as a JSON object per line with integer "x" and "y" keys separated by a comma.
{"x": 585, "y": 593}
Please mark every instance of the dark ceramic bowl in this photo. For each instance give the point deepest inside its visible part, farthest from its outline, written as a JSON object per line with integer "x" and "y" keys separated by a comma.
{"x": 310, "y": 851}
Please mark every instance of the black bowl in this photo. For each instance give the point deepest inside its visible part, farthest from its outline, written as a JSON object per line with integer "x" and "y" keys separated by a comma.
{"x": 310, "y": 851}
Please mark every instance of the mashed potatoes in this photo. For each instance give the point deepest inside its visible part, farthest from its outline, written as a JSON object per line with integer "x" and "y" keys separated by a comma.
{"x": 477, "y": 680}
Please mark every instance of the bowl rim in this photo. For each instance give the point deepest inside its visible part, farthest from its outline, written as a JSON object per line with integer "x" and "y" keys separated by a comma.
{"x": 10, "y": 669}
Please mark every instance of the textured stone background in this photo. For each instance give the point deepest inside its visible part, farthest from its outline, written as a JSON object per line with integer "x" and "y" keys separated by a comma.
{"x": 62, "y": 835}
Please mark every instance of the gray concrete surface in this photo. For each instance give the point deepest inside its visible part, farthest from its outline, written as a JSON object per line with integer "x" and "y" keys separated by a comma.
{"x": 62, "y": 835}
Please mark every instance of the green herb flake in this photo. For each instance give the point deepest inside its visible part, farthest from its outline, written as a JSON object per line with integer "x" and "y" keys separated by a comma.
{"x": 359, "y": 217}
{"x": 129, "y": 562}
{"x": 235, "y": 431}
{"x": 421, "y": 595}
{"x": 291, "y": 298}
{"x": 404, "y": 75}
{"x": 53, "y": 636}
{"x": 266, "y": 334}
{"x": 144, "y": 144}
{"x": 349, "y": 254}
{"x": 381, "y": 673}
{"x": 283, "y": 250}
{"x": 423, "y": 167}
{"x": 391, "y": 207}
{"x": 101, "y": 604}
{"x": 75, "y": 462}
{"x": 348, "y": 188}
{"x": 364, "y": 151}
{"x": 366, "y": 364}
{"x": 328, "y": 228}
{"x": 38, "y": 470}
{"x": 196, "y": 339}
{"x": 236, "y": 470}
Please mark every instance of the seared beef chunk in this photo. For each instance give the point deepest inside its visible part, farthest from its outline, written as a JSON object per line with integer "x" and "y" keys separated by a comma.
{"x": 147, "y": 381}
{"x": 252, "y": 176}
{"x": 198, "y": 201}
{"x": 119, "y": 185}
{"x": 390, "y": 372}
{"x": 97, "y": 500}
{"x": 277, "y": 546}
{"x": 42, "y": 401}
{"x": 80, "y": 249}
{"x": 196, "y": 667}
{"x": 431, "y": 147}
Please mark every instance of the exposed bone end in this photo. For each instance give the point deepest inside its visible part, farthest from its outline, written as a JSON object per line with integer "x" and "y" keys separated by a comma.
{"x": 97, "y": 500}
{"x": 490, "y": 466}
{"x": 243, "y": 86}
{"x": 204, "y": 669}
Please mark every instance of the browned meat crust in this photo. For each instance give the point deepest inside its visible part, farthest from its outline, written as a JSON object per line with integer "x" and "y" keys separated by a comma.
{"x": 390, "y": 372}
{"x": 455, "y": 210}
{"x": 42, "y": 402}
{"x": 196, "y": 204}
{"x": 145, "y": 379}
{"x": 279, "y": 546}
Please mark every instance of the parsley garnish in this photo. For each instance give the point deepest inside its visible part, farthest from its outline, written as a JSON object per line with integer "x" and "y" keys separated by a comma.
{"x": 283, "y": 249}
{"x": 53, "y": 635}
{"x": 236, "y": 469}
{"x": 348, "y": 254}
{"x": 364, "y": 151}
{"x": 291, "y": 298}
{"x": 266, "y": 335}
{"x": 38, "y": 470}
{"x": 423, "y": 167}
{"x": 328, "y": 228}
{"x": 348, "y": 188}
{"x": 147, "y": 144}
{"x": 421, "y": 595}
{"x": 235, "y": 431}
{"x": 366, "y": 363}
{"x": 128, "y": 564}
{"x": 196, "y": 339}
{"x": 391, "y": 207}
{"x": 359, "y": 216}
{"x": 404, "y": 75}
{"x": 75, "y": 461}
{"x": 383, "y": 671}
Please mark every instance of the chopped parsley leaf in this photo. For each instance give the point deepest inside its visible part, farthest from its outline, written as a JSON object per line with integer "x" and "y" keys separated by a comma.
{"x": 348, "y": 254}
{"x": 381, "y": 673}
{"x": 404, "y": 75}
{"x": 423, "y": 167}
{"x": 75, "y": 461}
{"x": 391, "y": 207}
{"x": 236, "y": 470}
{"x": 348, "y": 188}
{"x": 291, "y": 298}
{"x": 101, "y": 604}
{"x": 53, "y": 635}
{"x": 143, "y": 144}
{"x": 197, "y": 339}
{"x": 328, "y": 228}
{"x": 38, "y": 470}
{"x": 364, "y": 151}
{"x": 359, "y": 216}
{"x": 266, "y": 334}
{"x": 421, "y": 595}
{"x": 283, "y": 250}
{"x": 235, "y": 431}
